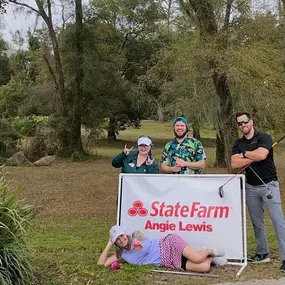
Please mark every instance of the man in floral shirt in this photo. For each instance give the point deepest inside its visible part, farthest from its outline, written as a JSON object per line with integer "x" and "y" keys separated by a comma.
{"x": 183, "y": 155}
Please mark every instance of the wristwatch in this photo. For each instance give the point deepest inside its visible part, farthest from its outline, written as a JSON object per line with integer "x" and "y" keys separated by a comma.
{"x": 243, "y": 153}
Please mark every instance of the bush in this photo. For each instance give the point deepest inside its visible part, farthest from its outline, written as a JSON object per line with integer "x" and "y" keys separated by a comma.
{"x": 15, "y": 268}
{"x": 8, "y": 138}
{"x": 29, "y": 126}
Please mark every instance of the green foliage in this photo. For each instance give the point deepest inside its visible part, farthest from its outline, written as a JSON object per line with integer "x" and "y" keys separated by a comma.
{"x": 15, "y": 268}
{"x": 29, "y": 126}
{"x": 8, "y": 138}
{"x": 4, "y": 62}
{"x": 12, "y": 97}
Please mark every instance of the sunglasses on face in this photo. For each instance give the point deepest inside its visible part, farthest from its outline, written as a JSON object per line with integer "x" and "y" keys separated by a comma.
{"x": 244, "y": 122}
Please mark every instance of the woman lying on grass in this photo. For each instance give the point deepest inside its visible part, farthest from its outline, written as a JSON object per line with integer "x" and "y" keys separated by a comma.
{"x": 170, "y": 251}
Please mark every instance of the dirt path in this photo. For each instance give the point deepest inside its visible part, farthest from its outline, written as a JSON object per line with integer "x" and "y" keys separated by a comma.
{"x": 260, "y": 282}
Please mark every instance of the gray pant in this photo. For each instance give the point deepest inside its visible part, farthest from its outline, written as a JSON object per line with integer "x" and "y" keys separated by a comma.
{"x": 255, "y": 200}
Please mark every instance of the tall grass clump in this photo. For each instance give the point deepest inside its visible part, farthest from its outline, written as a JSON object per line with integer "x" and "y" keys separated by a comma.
{"x": 15, "y": 268}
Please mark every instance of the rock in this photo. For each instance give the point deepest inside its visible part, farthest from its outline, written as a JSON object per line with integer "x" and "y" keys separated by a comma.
{"x": 45, "y": 161}
{"x": 18, "y": 159}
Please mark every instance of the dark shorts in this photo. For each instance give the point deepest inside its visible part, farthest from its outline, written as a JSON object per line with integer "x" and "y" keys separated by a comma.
{"x": 183, "y": 262}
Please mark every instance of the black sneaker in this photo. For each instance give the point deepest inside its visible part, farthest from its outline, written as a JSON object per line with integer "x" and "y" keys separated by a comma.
{"x": 282, "y": 267}
{"x": 263, "y": 258}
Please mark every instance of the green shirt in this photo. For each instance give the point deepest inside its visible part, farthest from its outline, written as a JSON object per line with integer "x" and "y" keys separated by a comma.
{"x": 129, "y": 163}
{"x": 190, "y": 149}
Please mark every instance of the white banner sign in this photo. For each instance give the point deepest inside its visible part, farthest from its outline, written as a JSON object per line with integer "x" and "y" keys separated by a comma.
{"x": 188, "y": 205}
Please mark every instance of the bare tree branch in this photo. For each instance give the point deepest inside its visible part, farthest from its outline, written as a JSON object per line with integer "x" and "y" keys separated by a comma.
{"x": 42, "y": 11}
{"x": 25, "y": 5}
{"x": 51, "y": 71}
{"x": 49, "y": 10}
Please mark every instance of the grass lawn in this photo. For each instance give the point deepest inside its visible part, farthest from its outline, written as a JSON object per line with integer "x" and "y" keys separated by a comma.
{"x": 76, "y": 207}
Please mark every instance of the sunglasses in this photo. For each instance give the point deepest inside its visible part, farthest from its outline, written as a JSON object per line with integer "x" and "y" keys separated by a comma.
{"x": 244, "y": 122}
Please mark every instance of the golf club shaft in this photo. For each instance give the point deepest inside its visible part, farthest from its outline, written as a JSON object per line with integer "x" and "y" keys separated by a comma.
{"x": 269, "y": 194}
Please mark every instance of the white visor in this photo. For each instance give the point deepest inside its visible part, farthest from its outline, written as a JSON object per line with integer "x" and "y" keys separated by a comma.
{"x": 144, "y": 140}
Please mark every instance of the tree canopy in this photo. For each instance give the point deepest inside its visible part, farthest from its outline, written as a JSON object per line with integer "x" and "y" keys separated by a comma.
{"x": 113, "y": 63}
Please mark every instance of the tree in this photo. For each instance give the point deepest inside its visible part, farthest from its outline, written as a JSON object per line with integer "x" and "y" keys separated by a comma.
{"x": 132, "y": 38}
{"x": 68, "y": 113}
{"x": 4, "y": 64}
{"x": 203, "y": 11}
{"x": 3, "y": 3}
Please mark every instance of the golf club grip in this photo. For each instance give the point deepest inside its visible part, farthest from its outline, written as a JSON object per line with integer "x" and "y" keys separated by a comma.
{"x": 278, "y": 141}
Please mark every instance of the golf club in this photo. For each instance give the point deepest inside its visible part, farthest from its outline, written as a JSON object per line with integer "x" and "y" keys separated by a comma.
{"x": 269, "y": 195}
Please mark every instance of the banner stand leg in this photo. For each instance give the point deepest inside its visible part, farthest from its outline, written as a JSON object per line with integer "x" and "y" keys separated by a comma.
{"x": 241, "y": 270}
{"x": 186, "y": 273}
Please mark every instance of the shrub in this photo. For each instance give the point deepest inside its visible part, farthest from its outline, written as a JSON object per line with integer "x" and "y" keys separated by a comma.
{"x": 8, "y": 138}
{"x": 29, "y": 126}
{"x": 15, "y": 268}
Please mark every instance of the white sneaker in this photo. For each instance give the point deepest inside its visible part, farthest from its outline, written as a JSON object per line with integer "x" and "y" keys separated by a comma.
{"x": 220, "y": 261}
{"x": 216, "y": 251}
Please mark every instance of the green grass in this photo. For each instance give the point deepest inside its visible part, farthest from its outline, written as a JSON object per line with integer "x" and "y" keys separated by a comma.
{"x": 77, "y": 208}
{"x": 66, "y": 251}
{"x": 160, "y": 133}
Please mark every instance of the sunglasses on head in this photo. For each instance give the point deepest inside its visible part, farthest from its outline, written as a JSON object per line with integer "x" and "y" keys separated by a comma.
{"x": 244, "y": 122}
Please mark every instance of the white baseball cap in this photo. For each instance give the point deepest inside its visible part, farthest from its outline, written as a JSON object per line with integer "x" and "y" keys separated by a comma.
{"x": 115, "y": 232}
{"x": 144, "y": 140}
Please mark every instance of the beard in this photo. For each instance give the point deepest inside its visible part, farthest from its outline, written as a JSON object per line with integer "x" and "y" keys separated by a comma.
{"x": 180, "y": 136}
{"x": 247, "y": 131}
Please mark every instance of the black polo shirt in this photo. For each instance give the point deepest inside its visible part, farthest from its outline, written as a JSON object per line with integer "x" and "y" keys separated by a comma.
{"x": 266, "y": 168}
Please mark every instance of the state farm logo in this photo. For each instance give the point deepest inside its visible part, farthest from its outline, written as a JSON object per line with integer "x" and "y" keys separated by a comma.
{"x": 138, "y": 209}
{"x": 179, "y": 210}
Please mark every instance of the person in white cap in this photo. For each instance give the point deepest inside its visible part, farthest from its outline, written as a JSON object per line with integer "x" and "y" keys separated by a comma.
{"x": 170, "y": 251}
{"x": 138, "y": 160}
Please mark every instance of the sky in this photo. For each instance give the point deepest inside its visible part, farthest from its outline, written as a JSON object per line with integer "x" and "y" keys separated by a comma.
{"x": 13, "y": 21}
{"x": 22, "y": 21}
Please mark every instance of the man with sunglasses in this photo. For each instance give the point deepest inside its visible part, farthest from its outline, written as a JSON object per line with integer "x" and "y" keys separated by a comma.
{"x": 184, "y": 154}
{"x": 255, "y": 149}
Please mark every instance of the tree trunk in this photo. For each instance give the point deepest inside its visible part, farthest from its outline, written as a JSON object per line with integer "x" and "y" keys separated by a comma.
{"x": 205, "y": 17}
{"x": 196, "y": 128}
{"x": 71, "y": 133}
{"x": 76, "y": 120}
{"x": 112, "y": 128}
{"x": 227, "y": 129}
{"x": 160, "y": 113}
{"x": 220, "y": 152}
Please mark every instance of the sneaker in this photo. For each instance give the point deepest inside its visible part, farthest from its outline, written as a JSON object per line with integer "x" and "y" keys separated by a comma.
{"x": 282, "y": 267}
{"x": 263, "y": 258}
{"x": 220, "y": 261}
{"x": 216, "y": 251}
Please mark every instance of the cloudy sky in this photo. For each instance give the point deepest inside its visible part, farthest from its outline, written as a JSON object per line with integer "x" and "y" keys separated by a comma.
{"x": 22, "y": 20}
{"x": 13, "y": 20}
